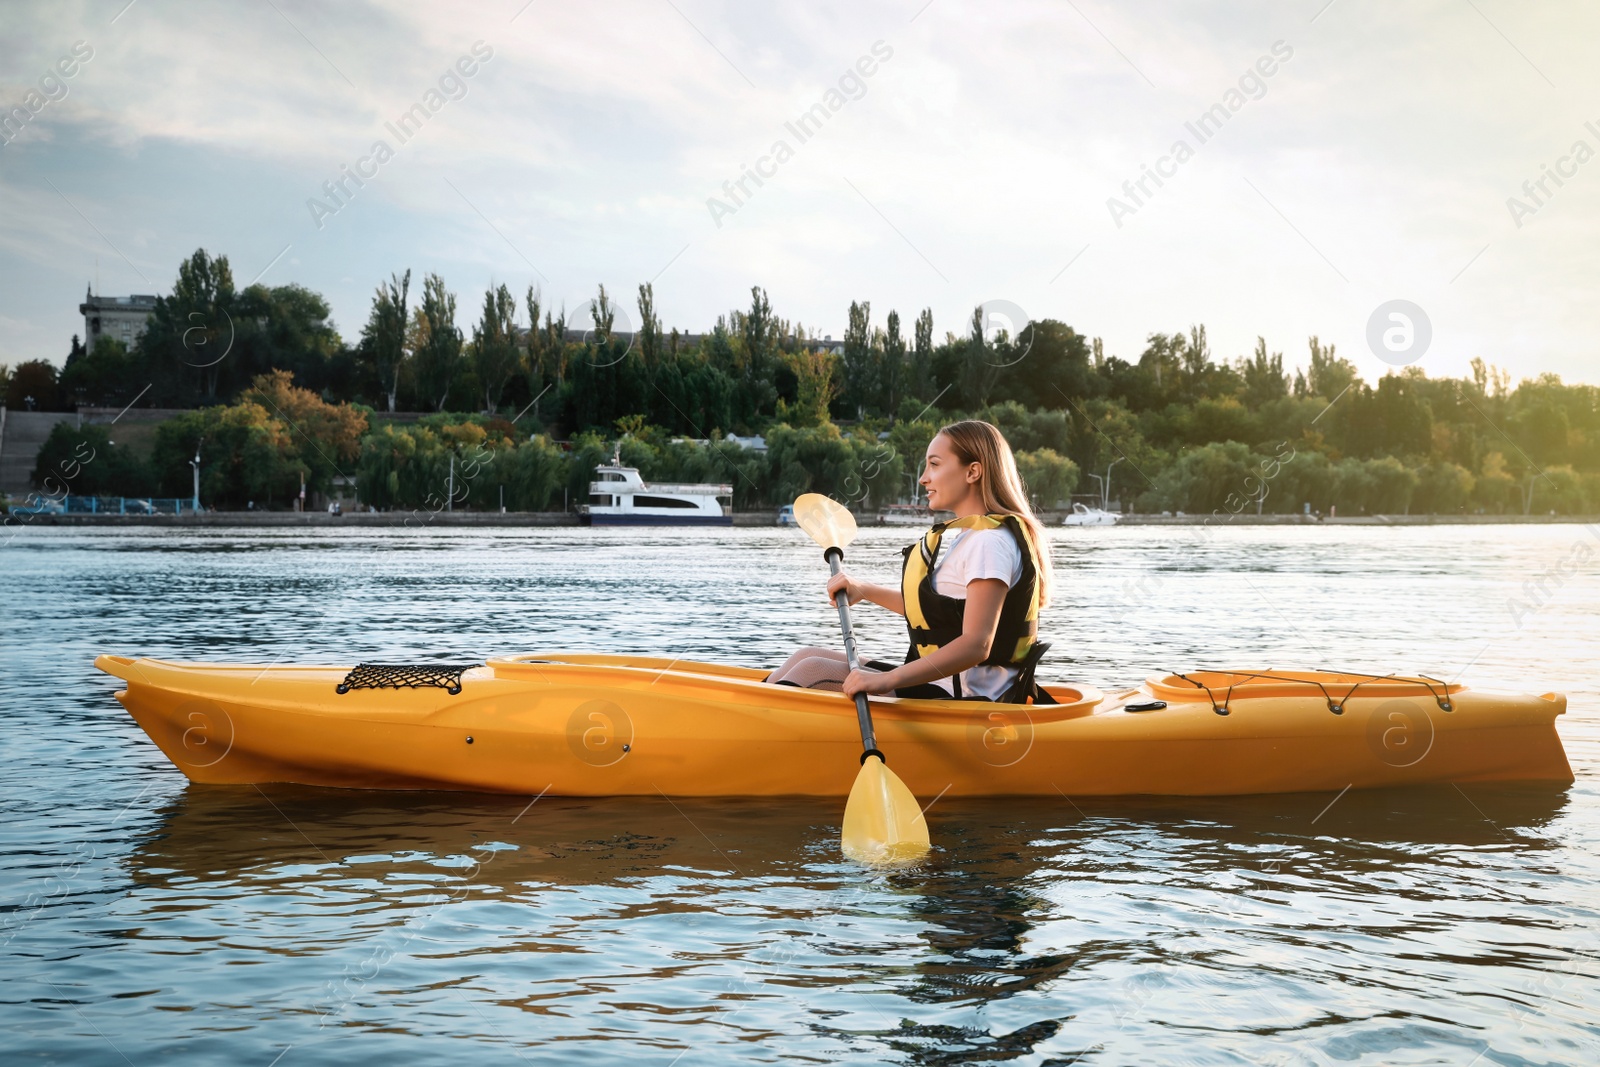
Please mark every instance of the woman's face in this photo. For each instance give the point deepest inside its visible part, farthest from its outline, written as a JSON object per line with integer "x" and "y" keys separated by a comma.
{"x": 945, "y": 479}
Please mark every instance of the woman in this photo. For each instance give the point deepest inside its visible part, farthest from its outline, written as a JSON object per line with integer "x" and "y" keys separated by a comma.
{"x": 971, "y": 589}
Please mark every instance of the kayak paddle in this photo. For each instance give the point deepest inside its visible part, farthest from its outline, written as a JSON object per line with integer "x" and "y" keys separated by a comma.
{"x": 882, "y": 821}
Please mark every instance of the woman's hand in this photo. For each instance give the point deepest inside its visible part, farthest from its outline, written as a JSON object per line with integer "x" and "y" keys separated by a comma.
{"x": 858, "y": 591}
{"x": 842, "y": 581}
{"x": 870, "y": 682}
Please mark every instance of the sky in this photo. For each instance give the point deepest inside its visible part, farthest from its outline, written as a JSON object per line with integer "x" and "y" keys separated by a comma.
{"x": 959, "y": 153}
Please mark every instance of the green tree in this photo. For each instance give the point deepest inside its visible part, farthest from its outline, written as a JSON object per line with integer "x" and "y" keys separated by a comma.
{"x": 649, "y": 328}
{"x": 1197, "y": 365}
{"x": 922, "y": 385}
{"x": 436, "y": 342}
{"x": 813, "y": 369}
{"x": 33, "y": 386}
{"x": 1562, "y": 491}
{"x": 324, "y": 438}
{"x": 532, "y": 473}
{"x": 1393, "y": 419}
{"x": 1211, "y": 419}
{"x": 604, "y": 314}
{"x": 107, "y": 376}
{"x": 762, "y": 335}
{"x": 819, "y": 459}
{"x": 1049, "y": 476}
{"x": 860, "y": 377}
{"x": 979, "y": 370}
{"x": 1443, "y": 488}
{"x": 1223, "y": 479}
{"x": 283, "y": 327}
{"x": 261, "y": 448}
{"x": 1264, "y": 380}
{"x": 760, "y": 339}
{"x": 383, "y": 341}
{"x": 609, "y": 380}
{"x": 1160, "y": 381}
{"x": 494, "y": 345}
{"x": 536, "y": 348}
{"x": 589, "y": 450}
{"x": 1497, "y": 491}
{"x": 1392, "y": 485}
{"x": 84, "y": 461}
{"x": 1329, "y": 374}
{"x": 188, "y": 338}
{"x": 245, "y": 455}
{"x": 1049, "y": 366}
{"x": 894, "y": 365}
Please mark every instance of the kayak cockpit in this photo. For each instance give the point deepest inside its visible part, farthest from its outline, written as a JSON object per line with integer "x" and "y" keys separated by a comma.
{"x": 1072, "y": 700}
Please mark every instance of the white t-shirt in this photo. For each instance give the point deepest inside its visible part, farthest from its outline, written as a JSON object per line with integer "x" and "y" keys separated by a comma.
{"x": 966, "y": 556}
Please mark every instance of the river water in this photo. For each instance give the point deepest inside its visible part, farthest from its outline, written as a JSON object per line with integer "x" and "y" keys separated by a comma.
{"x": 149, "y": 920}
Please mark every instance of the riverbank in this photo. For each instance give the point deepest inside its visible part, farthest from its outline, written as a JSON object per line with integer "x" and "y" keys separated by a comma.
{"x": 745, "y": 518}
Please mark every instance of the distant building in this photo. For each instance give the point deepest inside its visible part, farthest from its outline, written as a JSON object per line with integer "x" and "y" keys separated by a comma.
{"x": 757, "y": 443}
{"x": 120, "y": 317}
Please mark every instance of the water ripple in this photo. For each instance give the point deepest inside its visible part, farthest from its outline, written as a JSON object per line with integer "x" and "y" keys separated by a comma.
{"x": 145, "y": 918}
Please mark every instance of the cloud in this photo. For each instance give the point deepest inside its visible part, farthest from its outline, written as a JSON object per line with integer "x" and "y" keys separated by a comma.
{"x": 989, "y": 146}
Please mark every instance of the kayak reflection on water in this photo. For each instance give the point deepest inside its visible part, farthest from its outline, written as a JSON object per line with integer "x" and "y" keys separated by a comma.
{"x": 497, "y": 916}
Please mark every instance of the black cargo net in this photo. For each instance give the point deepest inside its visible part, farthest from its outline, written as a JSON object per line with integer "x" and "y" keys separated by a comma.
{"x": 405, "y": 676}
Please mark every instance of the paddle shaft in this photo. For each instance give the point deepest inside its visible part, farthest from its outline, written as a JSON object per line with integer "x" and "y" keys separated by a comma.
{"x": 869, "y": 742}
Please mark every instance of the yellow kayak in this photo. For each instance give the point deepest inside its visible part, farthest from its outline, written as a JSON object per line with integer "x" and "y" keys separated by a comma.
{"x": 592, "y": 725}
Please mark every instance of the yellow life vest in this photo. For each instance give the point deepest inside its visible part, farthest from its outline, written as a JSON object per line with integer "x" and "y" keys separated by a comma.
{"x": 934, "y": 620}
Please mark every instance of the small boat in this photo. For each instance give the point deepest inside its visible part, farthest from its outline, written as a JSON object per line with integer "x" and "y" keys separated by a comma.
{"x": 596, "y": 725}
{"x": 1083, "y": 515}
{"x": 786, "y": 515}
{"x": 619, "y": 497}
{"x": 907, "y": 515}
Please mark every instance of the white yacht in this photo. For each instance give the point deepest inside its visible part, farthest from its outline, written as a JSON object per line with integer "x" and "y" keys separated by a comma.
{"x": 906, "y": 515}
{"x": 619, "y": 497}
{"x": 1083, "y": 515}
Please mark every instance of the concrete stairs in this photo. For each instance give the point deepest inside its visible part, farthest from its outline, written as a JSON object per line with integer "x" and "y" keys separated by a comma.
{"x": 22, "y": 434}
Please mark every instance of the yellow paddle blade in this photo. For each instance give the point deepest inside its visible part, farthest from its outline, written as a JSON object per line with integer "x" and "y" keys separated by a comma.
{"x": 883, "y": 822}
{"x": 827, "y": 522}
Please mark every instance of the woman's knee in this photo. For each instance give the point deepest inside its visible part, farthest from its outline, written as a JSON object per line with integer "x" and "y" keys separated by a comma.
{"x": 800, "y": 655}
{"x": 814, "y": 670}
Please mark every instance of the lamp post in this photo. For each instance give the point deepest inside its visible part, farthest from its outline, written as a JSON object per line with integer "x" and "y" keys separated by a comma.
{"x": 1105, "y": 484}
{"x": 1105, "y": 487}
{"x": 195, "y": 463}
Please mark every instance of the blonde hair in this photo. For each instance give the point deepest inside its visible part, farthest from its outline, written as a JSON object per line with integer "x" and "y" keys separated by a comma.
{"x": 1001, "y": 486}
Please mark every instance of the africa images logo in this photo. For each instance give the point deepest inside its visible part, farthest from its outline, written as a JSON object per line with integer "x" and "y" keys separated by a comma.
{"x": 1001, "y": 738}
{"x": 1252, "y": 85}
{"x": 207, "y": 736}
{"x": 1400, "y": 732}
{"x": 1399, "y": 332}
{"x": 599, "y": 733}
{"x": 851, "y": 85}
